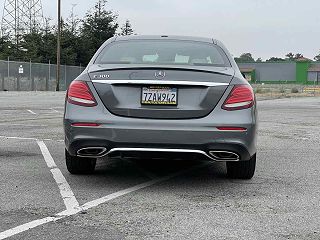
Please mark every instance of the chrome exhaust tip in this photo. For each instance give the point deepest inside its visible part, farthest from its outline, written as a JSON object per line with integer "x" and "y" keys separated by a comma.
{"x": 93, "y": 152}
{"x": 224, "y": 156}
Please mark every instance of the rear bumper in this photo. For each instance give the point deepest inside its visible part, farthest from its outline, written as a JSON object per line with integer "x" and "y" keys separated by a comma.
{"x": 199, "y": 134}
{"x": 135, "y": 137}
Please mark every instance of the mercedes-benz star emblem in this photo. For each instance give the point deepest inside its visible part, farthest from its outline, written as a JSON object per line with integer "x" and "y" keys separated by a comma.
{"x": 160, "y": 74}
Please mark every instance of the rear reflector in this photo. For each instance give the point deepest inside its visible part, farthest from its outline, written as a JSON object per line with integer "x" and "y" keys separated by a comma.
{"x": 85, "y": 124}
{"x": 235, "y": 129}
{"x": 241, "y": 97}
{"x": 79, "y": 94}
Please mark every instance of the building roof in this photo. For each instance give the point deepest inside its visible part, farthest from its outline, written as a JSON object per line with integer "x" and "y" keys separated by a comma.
{"x": 303, "y": 59}
{"x": 314, "y": 68}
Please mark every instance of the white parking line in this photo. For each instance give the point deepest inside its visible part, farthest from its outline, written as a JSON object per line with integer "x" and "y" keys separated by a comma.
{"x": 19, "y": 138}
{"x": 112, "y": 196}
{"x": 66, "y": 193}
{"x": 22, "y": 125}
{"x": 33, "y": 139}
{"x": 54, "y": 110}
{"x": 32, "y": 112}
{"x": 92, "y": 204}
{"x": 25, "y": 227}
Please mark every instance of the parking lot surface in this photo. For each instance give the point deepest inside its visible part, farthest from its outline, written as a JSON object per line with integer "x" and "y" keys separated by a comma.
{"x": 157, "y": 199}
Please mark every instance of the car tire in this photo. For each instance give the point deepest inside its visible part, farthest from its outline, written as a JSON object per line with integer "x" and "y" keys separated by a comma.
{"x": 79, "y": 165}
{"x": 242, "y": 170}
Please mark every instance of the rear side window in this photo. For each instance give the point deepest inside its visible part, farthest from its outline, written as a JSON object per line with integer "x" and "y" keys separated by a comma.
{"x": 164, "y": 52}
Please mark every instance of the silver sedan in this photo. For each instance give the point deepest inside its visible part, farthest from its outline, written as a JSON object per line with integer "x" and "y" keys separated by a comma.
{"x": 161, "y": 97}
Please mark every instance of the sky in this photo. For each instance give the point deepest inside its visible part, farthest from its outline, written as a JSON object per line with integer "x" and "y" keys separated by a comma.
{"x": 264, "y": 28}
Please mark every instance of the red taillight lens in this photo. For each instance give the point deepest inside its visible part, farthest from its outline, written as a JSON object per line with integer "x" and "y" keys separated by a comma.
{"x": 241, "y": 97}
{"x": 234, "y": 129}
{"x": 79, "y": 94}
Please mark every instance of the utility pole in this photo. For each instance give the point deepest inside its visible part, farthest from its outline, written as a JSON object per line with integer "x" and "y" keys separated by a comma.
{"x": 58, "y": 46}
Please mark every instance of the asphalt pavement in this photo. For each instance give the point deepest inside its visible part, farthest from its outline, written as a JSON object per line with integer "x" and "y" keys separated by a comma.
{"x": 157, "y": 199}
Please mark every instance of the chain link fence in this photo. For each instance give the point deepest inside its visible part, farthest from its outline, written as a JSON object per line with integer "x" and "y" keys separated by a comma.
{"x": 28, "y": 76}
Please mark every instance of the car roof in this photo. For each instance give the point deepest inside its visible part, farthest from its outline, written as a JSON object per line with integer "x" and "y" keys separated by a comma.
{"x": 172, "y": 37}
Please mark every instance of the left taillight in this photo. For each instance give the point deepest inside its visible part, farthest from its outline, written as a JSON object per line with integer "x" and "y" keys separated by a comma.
{"x": 241, "y": 97}
{"x": 79, "y": 94}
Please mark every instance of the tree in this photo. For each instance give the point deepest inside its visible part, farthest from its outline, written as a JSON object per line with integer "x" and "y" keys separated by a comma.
{"x": 79, "y": 39}
{"x": 259, "y": 60}
{"x": 6, "y": 49}
{"x": 317, "y": 58}
{"x": 69, "y": 43}
{"x": 275, "y": 59}
{"x": 41, "y": 46}
{"x": 245, "y": 57}
{"x": 33, "y": 44}
{"x": 49, "y": 49}
{"x": 98, "y": 26}
{"x": 126, "y": 29}
{"x": 298, "y": 55}
{"x": 74, "y": 20}
{"x": 290, "y": 56}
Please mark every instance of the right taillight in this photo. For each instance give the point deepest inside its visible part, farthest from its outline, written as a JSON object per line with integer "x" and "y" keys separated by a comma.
{"x": 79, "y": 94}
{"x": 241, "y": 97}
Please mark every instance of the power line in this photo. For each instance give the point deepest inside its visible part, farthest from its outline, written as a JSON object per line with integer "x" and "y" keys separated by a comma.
{"x": 21, "y": 17}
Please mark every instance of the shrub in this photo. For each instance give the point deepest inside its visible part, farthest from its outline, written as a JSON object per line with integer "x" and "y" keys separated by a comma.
{"x": 259, "y": 90}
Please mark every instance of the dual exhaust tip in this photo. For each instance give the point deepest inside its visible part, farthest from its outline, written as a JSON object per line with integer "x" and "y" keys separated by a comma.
{"x": 92, "y": 152}
{"x": 224, "y": 156}
{"x": 220, "y": 156}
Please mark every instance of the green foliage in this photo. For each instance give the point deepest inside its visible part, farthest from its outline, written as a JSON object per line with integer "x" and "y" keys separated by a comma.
{"x": 293, "y": 57}
{"x": 275, "y": 59}
{"x": 317, "y": 58}
{"x": 98, "y": 26}
{"x": 79, "y": 39}
{"x": 245, "y": 57}
{"x": 69, "y": 44}
{"x": 290, "y": 56}
{"x": 298, "y": 55}
{"x": 294, "y": 90}
{"x": 126, "y": 29}
{"x": 5, "y": 48}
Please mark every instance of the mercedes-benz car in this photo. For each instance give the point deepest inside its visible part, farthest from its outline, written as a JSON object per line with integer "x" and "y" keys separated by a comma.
{"x": 161, "y": 97}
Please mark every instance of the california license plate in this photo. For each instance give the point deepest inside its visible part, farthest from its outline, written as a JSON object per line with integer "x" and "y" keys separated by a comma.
{"x": 159, "y": 95}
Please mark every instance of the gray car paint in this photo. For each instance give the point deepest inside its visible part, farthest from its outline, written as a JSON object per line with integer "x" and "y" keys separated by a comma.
{"x": 188, "y": 133}
{"x": 117, "y": 100}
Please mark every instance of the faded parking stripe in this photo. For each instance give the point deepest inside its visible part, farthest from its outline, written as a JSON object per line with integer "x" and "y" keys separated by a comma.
{"x": 67, "y": 194}
{"x": 92, "y": 204}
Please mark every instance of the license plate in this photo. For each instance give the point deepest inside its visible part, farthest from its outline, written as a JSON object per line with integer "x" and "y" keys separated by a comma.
{"x": 159, "y": 95}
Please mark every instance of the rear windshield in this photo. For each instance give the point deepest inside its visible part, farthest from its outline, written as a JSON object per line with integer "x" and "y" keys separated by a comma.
{"x": 164, "y": 52}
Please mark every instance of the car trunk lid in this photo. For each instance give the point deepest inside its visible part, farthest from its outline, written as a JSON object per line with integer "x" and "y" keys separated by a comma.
{"x": 198, "y": 89}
